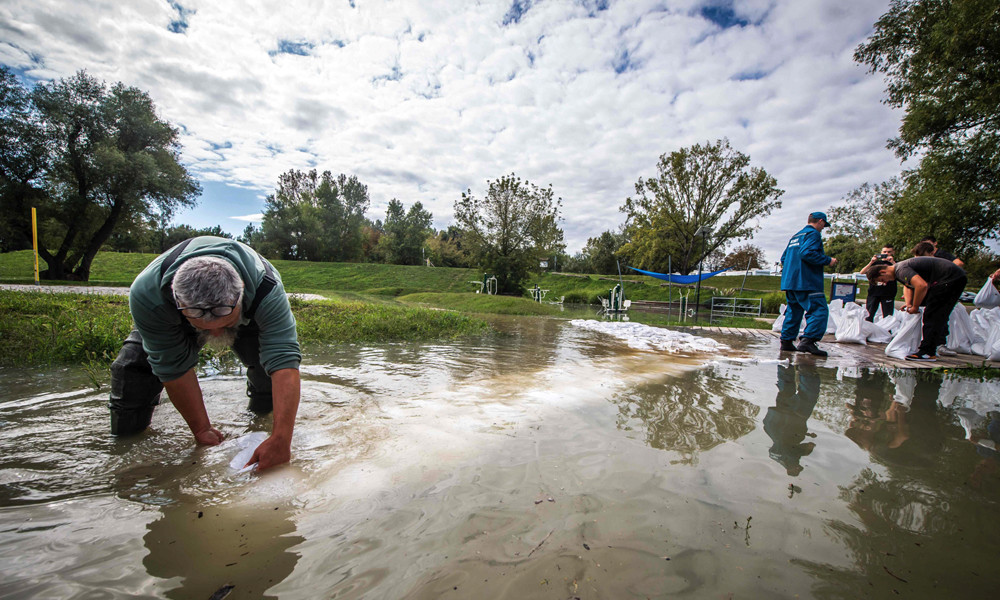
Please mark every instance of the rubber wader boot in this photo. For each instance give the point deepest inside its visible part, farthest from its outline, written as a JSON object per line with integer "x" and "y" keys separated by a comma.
{"x": 787, "y": 346}
{"x": 135, "y": 391}
{"x": 809, "y": 345}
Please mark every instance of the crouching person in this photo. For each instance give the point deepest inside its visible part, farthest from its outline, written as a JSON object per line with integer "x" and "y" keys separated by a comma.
{"x": 208, "y": 290}
{"x": 934, "y": 283}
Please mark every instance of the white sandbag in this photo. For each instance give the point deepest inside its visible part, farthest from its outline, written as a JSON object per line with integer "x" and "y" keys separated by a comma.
{"x": 880, "y": 332}
{"x": 988, "y": 296}
{"x": 248, "y": 445}
{"x": 780, "y": 321}
{"x": 907, "y": 339}
{"x": 836, "y": 313}
{"x": 959, "y": 330}
{"x": 993, "y": 342}
{"x": 850, "y": 328}
{"x": 984, "y": 324}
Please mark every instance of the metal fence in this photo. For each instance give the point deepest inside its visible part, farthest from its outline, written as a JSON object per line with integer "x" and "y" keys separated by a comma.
{"x": 727, "y": 308}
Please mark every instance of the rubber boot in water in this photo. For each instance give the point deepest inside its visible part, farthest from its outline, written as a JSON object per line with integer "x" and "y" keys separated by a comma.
{"x": 787, "y": 346}
{"x": 809, "y": 345}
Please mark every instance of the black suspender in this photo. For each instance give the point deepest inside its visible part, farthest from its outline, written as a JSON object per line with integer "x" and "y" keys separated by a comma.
{"x": 265, "y": 287}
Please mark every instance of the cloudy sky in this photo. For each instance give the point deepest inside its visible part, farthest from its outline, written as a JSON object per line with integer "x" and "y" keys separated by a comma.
{"x": 423, "y": 100}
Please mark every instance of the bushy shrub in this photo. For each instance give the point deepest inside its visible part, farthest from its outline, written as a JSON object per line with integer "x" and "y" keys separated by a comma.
{"x": 580, "y": 297}
{"x": 772, "y": 302}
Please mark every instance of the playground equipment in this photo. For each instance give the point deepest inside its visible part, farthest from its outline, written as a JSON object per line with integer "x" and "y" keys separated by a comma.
{"x": 488, "y": 285}
{"x": 615, "y": 301}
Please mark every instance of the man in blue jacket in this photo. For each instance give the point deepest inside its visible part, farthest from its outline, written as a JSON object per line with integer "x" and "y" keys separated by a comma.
{"x": 802, "y": 281}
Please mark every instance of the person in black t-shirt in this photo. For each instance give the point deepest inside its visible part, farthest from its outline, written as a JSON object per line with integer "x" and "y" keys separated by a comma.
{"x": 881, "y": 294}
{"x": 938, "y": 252}
{"x": 935, "y": 284}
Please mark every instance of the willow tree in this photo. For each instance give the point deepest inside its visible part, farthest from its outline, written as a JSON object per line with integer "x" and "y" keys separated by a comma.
{"x": 109, "y": 161}
{"x": 706, "y": 185}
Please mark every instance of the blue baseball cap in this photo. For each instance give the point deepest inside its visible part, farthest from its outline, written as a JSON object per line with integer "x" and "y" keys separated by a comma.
{"x": 816, "y": 216}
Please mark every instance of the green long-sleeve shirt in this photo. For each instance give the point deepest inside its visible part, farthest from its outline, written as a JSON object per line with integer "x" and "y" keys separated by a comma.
{"x": 166, "y": 334}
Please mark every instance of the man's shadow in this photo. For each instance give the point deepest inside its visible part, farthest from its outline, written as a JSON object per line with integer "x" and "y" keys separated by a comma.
{"x": 785, "y": 422}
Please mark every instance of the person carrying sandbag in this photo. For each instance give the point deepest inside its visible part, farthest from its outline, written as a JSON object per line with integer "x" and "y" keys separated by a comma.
{"x": 934, "y": 283}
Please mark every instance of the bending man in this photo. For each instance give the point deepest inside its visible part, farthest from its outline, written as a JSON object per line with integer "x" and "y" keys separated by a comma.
{"x": 934, "y": 283}
{"x": 216, "y": 291}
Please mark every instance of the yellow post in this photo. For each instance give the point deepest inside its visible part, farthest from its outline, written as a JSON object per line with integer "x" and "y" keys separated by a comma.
{"x": 34, "y": 241}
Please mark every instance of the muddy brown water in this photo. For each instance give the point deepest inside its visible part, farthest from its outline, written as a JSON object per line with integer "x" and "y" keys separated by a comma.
{"x": 554, "y": 462}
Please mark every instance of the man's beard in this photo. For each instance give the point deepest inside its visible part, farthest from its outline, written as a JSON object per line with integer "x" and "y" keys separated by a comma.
{"x": 217, "y": 339}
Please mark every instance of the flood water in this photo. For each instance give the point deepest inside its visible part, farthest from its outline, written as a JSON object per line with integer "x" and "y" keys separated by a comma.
{"x": 553, "y": 462}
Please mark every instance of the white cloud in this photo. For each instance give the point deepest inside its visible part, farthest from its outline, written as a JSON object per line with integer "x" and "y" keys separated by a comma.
{"x": 425, "y": 100}
{"x": 254, "y": 218}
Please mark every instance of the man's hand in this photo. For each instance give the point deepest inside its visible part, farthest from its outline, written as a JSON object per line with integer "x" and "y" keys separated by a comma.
{"x": 209, "y": 437}
{"x": 833, "y": 261}
{"x": 912, "y": 309}
{"x": 271, "y": 452}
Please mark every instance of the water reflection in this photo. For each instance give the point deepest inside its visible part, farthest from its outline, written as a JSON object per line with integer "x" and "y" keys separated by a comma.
{"x": 205, "y": 548}
{"x": 688, "y": 414}
{"x": 785, "y": 422}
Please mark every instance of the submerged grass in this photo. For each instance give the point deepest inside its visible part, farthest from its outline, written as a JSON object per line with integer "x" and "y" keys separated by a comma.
{"x": 482, "y": 304}
{"x": 39, "y": 328}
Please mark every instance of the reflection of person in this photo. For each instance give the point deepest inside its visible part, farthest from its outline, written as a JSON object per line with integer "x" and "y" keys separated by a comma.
{"x": 881, "y": 294}
{"x": 802, "y": 281}
{"x": 208, "y": 290}
{"x": 934, "y": 283}
{"x": 200, "y": 551}
{"x": 785, "y": 422}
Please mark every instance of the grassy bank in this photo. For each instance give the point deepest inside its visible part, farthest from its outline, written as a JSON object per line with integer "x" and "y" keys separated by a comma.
{"x": 38, "y": 328}
{"x": 481, "y": 304}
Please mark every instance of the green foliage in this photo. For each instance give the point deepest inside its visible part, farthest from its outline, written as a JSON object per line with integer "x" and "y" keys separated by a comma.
{"x": 771, "y": 302}
{"x": 313, "y": 216}
{"x": 709, "y": 185}
{"x": 24, "y": 161}
{"x": 745, "y": 257}
{"x": 940, "y": 58}
{"x": 600, "y": 253}
{"x": 109, "y": 162}
{"x": 851, "y": 254}
{"x": 40, "y": 328}
{"x": 404, "y": 233}
{"x": 510, "y": 229}
{"x": 482, "y": 304}
{"x": 447, "y": 248}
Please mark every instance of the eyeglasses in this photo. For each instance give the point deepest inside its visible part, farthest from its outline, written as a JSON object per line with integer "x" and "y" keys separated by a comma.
{"x": 197, "y": 312}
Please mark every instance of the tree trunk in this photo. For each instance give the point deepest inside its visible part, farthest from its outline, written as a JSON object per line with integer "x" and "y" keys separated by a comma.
{"x": 102, "y": 235}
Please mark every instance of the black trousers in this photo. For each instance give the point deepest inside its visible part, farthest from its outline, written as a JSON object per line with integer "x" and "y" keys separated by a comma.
{"x": 888, "y": 304}
{"x": 938, "y": 304}
{"x": 135, "y": 391}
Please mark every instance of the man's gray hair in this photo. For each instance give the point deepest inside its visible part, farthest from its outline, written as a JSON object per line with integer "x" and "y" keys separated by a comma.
{"x": 207, "y": 281}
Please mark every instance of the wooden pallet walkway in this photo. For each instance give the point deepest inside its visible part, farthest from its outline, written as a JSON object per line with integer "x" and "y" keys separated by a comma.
{"x": 860, "y": 354}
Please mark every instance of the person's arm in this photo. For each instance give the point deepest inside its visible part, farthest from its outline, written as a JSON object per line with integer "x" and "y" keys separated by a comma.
{"x": 907, "y": 298}
{"x": 919, "y": 291}
{"x": 185, "y": 395}
{"x": 995, "y": 276}
{"x": 812, "y": 251}
{"x": 959, "y": 262}
{"x": 277, "y": 449}
{"x": 871, "y": 263}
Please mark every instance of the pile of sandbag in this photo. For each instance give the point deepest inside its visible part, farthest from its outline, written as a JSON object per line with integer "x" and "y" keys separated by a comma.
{"x": 976, "y": 332}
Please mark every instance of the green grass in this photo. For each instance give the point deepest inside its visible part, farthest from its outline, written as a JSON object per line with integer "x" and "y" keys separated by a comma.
{"x": 482, "y": 303}
{"x": 39, "y": 328}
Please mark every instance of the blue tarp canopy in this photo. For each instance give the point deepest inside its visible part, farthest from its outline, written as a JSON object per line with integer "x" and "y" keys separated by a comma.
{"x": 679, "y": 278}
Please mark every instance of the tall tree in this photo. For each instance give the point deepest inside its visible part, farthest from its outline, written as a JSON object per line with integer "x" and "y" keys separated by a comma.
{"x": 405, "y": 233}
{"x": 600, "y": 252}
{"x": 709, "y": 185}
{"x": 511, "y": 228}
{"x": 24, "y": 162}
{"x": 743, "y": 257}
{"x": 313, "y": 216}
{"x": 112, "y": 161}
{"x": 939, "y": 58}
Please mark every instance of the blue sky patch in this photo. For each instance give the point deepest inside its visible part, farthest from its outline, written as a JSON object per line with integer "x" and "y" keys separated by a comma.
{"x": 723, "y": 15}
{"x": 180, "y": 24}
{"x": 290, "y": 47}
{"x": 750, "y": 75}
{"x": 517, "y": 10}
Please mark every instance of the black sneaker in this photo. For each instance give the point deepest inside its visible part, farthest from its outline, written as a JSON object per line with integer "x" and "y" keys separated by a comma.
{"x": 787, "y": 346}
{"x": 922, "y": 357}
{"x": 810, "y": 347}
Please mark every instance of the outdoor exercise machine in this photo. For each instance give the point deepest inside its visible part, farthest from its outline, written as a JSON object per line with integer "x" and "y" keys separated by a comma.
{"x": 488, "y": 285}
